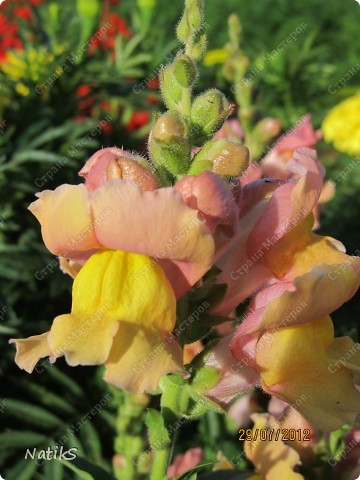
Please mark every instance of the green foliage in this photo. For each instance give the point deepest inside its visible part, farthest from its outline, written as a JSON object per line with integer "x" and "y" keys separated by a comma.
{"x": 54, "y": 411}
{"x": 86, "y": 470}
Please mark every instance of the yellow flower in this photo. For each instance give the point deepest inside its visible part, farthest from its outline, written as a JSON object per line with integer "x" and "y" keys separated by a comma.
{"x": 22, "y": 89}
{"x": 30, "y": 65}
{"x": 342, "y": 126}
{"x": 118, "y": 318}
{"x": 272, "y": 458}
{"x": 306, "y": 361}
{"x": 219, "y": 55}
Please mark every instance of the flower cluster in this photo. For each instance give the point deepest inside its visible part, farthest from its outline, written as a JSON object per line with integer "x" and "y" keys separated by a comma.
{"x": 342, "y": 126}
{"x": 142, "y": 237}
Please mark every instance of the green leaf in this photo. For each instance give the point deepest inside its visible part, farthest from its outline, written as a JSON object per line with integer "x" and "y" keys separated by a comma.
{"x": 33, "y": 414}
{"x": 86, "y": 470}
{"x": 23, "y": 470}
{"x": 53, "y": 470}
{"x": 201, "y": 404}
{"x": 91, "y": 441}
{"x": 204, "y": 378}
{"x": 50, "y": 135}
{"x": 65, "y": 381}
{"x": 46, "y": 397}
{"x": 88, "y": 11}
{"x": 4, "y": 330}
{"x": 189, "y": 474}
{"x": 21, "y": 439}
{"x": 226, "y": 475}
{"x": 158, "y": 435}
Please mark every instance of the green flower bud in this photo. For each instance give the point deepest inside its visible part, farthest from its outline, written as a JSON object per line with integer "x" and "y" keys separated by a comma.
{"x": 183, "y": 30}
{"x": 208, "y": 112}
{"x": 234, "y": 29}
{"x": 168, "y": 143}
{"x": 223, "y": 157}
{"x": 191, "y": 20}
{"x": 247, "y": 114}
{"x": 169, "y": 127}
{"x": 267, "y": 129}
{"x": 184, "y": 71}
{"x": 196, "y": 47}
{"x": 171, "y": 90}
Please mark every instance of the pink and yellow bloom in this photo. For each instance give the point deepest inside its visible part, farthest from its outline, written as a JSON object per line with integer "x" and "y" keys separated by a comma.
{"x": 132, "y": 248}
{"x": 273, "y": 459}
{"x": 286, "y": 342}
{"x": 115, "y": 321}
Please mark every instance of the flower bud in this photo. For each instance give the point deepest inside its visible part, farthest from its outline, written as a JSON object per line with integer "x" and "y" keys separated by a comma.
{"x": 246, "y": 114}
{"x": 267, "y": 129}
{"x": 196, "y": 47}
{"x": 168, "y": 143}
{"x": 191, "y": 20}
{"x": 115, "y": 163}
{"x": 234, "y": 28}
{"x": 223, "y": 157}
{"x": 184, "y": 71}
{"x": 171, "y": 90}
{"x": 208, "y": 112}
{"x": 169, "y": 128}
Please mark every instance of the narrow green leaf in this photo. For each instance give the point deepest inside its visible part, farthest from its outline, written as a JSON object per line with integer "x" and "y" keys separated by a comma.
{"x": 23, "y": 470}
{"x": 50, "y": 135}
{"x": 35, "y": 156}
{"x": 33, "y": 414}
{"x": 91, "y": 441}
{"x": 188, "y": 475}
{"x": 64, "y": 380}
{"x": 158, "y": 435}
{"x": 88, "y": 11}
{"x": 46, "y": 397}
{"x": 53, "y": 470}
{"x": 226, "y": 475}
{"x": 21, "y": 439}
{"x": 86, "y": 470}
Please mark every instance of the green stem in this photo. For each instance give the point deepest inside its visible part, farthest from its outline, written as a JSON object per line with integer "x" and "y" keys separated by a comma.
{"x": 161, "y": 463}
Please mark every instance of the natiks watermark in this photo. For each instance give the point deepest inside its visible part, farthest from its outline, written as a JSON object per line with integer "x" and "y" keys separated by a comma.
{"x": 51, "y": 453}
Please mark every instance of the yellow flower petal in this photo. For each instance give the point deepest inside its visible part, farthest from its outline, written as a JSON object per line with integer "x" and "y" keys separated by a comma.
{"x": 303, "y": 362}
{"x": 117, "y": 319}
{"x": 109, "y": 280}
{"x": 222, "y": 463}
{"x": 139, "y": 357}
{"x": 105, "y": 292}
{"x": 218, "y": 55}
{"x": 342, "y": 126}
{"x": 273, "y": 459}
{"x": 30, "y": 350}
{"x": 83, "y": 339}
{"x": 301, "y": 249}
{"x": 318, "y": 292}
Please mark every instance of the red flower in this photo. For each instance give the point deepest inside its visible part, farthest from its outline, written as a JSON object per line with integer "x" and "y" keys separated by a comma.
{"x": 83, "y": 90}
{"x": 107, "y": 40}
{"x": 24, "y": 13}
{"x": 107, "y": 128}
{"x": 138, "y": 120}
{"x": 8, "y": 36}
{"x": 153, "y": 84}
{"x": 119, "y": 25}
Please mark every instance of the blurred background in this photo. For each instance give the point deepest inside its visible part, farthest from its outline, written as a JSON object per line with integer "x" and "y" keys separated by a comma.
{"x": 78, "y": 75}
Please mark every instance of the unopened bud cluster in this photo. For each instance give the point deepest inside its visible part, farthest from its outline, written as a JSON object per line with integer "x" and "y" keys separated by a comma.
{"x": 192, "y": 122}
